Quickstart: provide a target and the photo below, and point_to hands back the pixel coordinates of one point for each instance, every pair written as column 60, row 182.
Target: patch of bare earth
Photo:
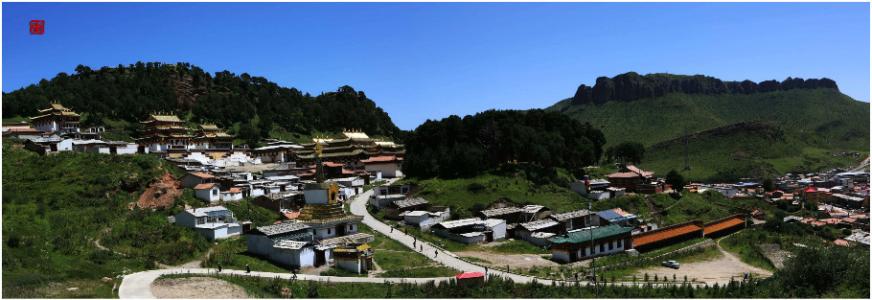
column 774, row 254
column 160, row 194
column 196, row 287
column 501, row 260
column 717, row 270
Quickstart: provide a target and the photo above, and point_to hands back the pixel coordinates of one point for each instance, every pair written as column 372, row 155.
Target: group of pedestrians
column 415, row 243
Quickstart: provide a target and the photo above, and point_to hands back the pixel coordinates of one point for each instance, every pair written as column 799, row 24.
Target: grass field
column 397, row 260
column 232, row 254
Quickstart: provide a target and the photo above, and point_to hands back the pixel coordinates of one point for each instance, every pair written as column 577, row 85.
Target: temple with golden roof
column 354, row 146
column 56, row 118
column 164, row 132
column 210, row 136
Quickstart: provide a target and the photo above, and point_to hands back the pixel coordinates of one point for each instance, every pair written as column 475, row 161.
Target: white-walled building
column 288, row 244
column 590, row 242
column 389, row 166
column 232, row 194
column 216, row 222
column 208, row 192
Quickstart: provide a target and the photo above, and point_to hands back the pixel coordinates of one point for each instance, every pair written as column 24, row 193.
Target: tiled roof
column 381, row 159
column 570, row 215
column 539, row 224
column 204, row 186
column 460, row 223
column 501, row 211
column 166, row 118
column 582, row 236
column 202, row 211
column 202, row 175
column 281, row 228
column 410, row 202
column 355, row 135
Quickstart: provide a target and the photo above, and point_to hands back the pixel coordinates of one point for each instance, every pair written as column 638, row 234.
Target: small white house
column 207, row 192
column 192, row 179
column 390, row 166
column 233, row 194
column 287, row 244
column 216, row 222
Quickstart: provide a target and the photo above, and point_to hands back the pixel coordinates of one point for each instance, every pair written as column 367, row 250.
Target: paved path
column 358, row 207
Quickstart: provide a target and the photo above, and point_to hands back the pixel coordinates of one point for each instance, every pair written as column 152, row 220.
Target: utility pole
column 686, row 163
column 592, row 248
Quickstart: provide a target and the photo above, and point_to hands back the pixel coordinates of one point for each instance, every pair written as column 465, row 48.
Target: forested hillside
column 130, row 93
column 815, row 120
column 462, row 147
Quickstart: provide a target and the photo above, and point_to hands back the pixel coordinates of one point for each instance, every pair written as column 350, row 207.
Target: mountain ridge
column 814, row 125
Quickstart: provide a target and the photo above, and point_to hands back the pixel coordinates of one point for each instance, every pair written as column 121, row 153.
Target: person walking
column 247, row 268
column 219, row 268
column 437, row 253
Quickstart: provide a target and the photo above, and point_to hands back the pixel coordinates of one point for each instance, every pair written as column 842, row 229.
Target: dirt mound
column 161, row 193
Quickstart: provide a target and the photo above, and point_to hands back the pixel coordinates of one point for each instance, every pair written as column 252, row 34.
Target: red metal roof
column 664, row 234
column 467, row 275
column 723, row 224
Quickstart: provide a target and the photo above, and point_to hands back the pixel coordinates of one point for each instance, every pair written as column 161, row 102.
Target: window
column 611, row 245
column 583, row 251
column 328, row 230
column 214, row 192
column 620, row 242
column 602, row 247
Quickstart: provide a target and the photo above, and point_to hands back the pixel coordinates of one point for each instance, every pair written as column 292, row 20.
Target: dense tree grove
column 632, row 86
column 627, row 152
column 675, row 179
column 131, row 92
column 460, row 147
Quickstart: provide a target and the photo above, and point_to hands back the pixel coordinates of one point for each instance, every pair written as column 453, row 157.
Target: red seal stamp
column 37, row 27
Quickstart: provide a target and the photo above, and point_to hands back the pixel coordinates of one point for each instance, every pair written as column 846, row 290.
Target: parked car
column 671, row 264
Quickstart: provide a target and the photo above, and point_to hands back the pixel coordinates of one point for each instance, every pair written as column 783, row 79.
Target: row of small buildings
column 571, row 236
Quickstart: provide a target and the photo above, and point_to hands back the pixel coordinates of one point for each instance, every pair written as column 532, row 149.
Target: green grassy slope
column 55, row 207
column 813, row 122
column 745, row 150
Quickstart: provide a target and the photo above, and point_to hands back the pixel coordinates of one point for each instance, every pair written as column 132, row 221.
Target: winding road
column 138, row 285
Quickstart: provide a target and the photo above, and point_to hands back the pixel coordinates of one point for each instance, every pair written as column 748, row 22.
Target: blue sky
column 429, row 60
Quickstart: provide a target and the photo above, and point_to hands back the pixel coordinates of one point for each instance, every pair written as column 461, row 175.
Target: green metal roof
column 583, row 236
